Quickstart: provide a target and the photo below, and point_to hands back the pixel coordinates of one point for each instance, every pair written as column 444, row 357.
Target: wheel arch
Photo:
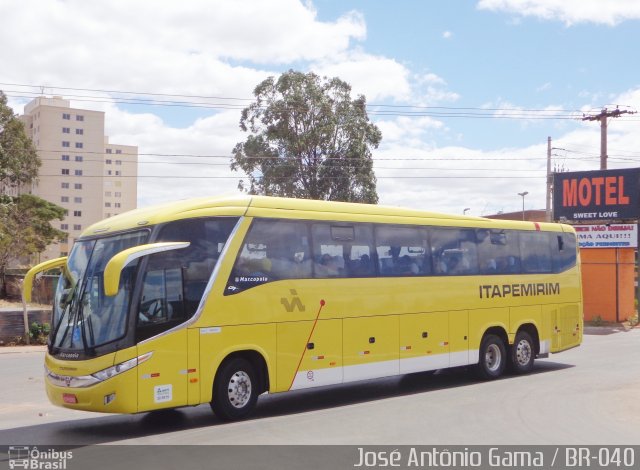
column 255, row 358
column 499, row 331
column 532, row 329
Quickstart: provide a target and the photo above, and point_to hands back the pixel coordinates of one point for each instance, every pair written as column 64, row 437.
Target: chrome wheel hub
column 239, row 389
column 523, row 353
column 493, row 357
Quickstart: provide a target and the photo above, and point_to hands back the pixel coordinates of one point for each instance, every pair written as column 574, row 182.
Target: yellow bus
column 219, row 300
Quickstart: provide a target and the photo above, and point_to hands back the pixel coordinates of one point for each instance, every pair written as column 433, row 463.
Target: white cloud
column 610, row 12
column 177, row 47
column 447, row 35
column 378, row 78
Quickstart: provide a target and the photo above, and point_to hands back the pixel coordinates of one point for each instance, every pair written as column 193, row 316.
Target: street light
column 523, row 195
column 464, row 212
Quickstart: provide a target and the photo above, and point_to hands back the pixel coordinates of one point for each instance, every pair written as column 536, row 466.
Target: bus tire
column 493, row 357
column 522, row 353
column 235, row 390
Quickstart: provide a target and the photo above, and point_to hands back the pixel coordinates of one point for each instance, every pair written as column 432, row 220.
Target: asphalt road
column 588, row 395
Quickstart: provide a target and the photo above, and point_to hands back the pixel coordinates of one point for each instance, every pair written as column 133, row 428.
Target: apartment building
column 81, row 170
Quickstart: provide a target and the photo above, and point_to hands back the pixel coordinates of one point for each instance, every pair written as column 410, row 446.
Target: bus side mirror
column 27, row 285
column 119, row 261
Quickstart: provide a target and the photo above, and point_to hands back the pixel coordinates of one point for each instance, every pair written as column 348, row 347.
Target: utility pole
column 602, row 117
column 549, row 180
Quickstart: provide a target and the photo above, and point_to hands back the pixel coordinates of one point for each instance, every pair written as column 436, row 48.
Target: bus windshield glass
column 84, row 317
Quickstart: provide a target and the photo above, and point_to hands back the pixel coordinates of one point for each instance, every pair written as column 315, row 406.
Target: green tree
column 19, row 162
column 308, row 139
column 25, row 228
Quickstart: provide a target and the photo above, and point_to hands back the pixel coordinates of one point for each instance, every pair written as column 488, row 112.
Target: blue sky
column 493, row 57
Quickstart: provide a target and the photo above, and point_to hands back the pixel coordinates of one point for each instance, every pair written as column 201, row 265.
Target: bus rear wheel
column 235, row 390
column 522, row 353
column 493, row 356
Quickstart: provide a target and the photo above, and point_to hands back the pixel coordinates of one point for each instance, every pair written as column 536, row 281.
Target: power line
column 375, row 109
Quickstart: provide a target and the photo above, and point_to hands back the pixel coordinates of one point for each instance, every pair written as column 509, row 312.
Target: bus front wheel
column 235, row 390
column 522, row 353
column 493, row 355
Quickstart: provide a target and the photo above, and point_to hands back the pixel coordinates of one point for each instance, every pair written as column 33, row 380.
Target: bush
column 38, row 332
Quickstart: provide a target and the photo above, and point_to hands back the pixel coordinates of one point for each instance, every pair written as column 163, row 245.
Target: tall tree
column 19, row 162
column 25, row 228
column 308, row 139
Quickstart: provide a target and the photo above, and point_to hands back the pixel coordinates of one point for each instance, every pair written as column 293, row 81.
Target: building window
column 66, row 144
column 64, row 199
column 79, row 145
column 78, row 172
column 77, row 200
column 65, row 171
column 117, row 205
column 118, row 184
column 118, row 162
column 118, row 194
column 108, row 162
column 79, row 158
column 65, row 158
column 64, row 226
column 118, row 151
column 77, row 186
column 66, row 130
column 79, row 117
column 107, row 204
column 77, row 213
column 118, row 173
column 79, row 131
column 107, row 193
column 109, row 151
column 77, row 227
column 109, row 172
column 64, row 185
column 66, row 116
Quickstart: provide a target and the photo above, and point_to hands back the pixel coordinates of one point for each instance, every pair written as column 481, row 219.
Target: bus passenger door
column 424, row 342
column 370, row 347
column 163, row 378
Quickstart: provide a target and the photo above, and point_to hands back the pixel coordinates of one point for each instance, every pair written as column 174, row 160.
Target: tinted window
column 272, row 250
column 341, row 250
column 454, row 251
column 174, row 281
column 563, row 246
column 402, row 251
column 535, row 251
column 498, row 251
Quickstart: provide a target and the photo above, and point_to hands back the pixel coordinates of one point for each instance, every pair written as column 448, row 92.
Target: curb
column 22, row 349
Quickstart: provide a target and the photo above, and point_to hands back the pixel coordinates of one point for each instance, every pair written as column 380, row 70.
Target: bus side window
column 563, row 248
column 454, row 251
column 402, row 251
column 535, row 251
column 272, row 250
column 498, row 251
column 342, row 250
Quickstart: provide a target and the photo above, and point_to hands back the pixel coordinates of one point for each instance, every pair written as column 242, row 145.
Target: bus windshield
column 83, row 316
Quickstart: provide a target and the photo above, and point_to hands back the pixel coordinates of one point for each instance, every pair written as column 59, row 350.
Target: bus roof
column 269, row 206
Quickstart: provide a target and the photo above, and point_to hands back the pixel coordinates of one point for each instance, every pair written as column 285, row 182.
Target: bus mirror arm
column 119, row 261
column 27, row 284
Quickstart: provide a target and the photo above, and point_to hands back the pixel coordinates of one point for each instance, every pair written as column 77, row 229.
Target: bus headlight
column 120, row 368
